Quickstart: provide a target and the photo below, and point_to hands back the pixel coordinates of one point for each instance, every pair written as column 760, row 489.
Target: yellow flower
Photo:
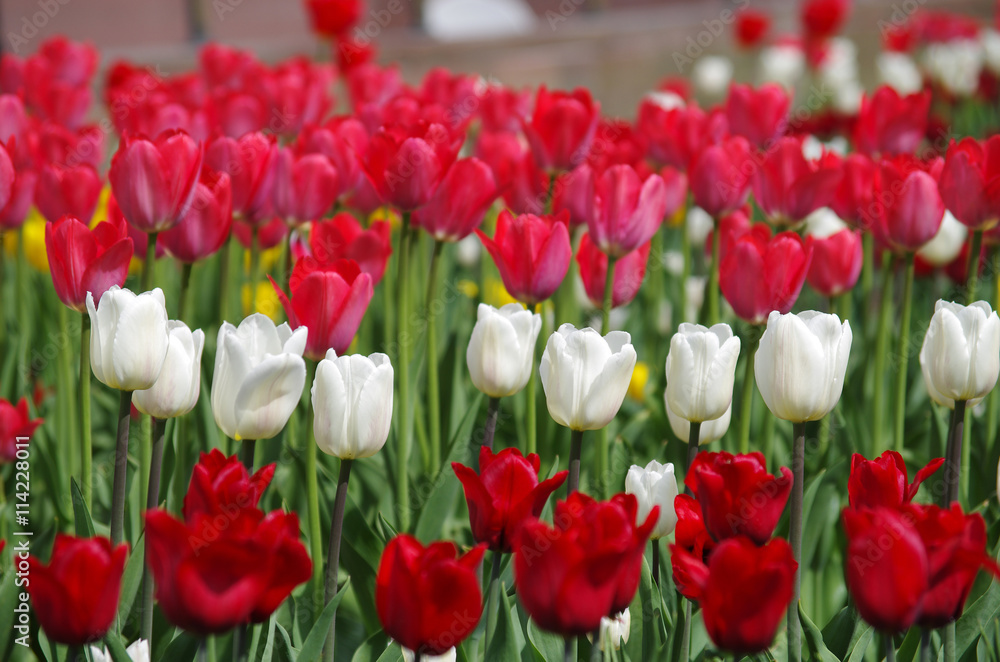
column 268, row 259
column 677, row 217
column 34, row 241
column 495, row 294
column 101, row 211
column 266, row 301
column 468, row 288
column 386, row 214
column 637, row 386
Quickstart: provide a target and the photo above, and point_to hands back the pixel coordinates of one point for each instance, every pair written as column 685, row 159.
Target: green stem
column 953, row 454
column 152, row 501
column 890, row 648
column 746, row 400
column 433, row 394
column 86, row 452
column 575, row 449
column 145, row 440
column 686, row 633
column 182, row 298
column 489, row 430
column 491, row 608
column 568, row 650
column 903, row 356
column 248, row 448
column 225, row 260
column 795, row 535
column 121, row 469
column 868, row 264
column 286, row 255
column 693, row 439
column 655, row 290
column 150, row 265
column 881, row 347
column 333, row 558
column 925, row 645
column 531, row 405
column 254, row 269
column 69, row 417
column 404, row 426
column 949, row 642
column 712, row 295
column 23, row 316
column 240, row 643
column 312, row 494
column 202, row 650
column 686, row 272
column 973, row 266
column 609, row 290
column 656, row 560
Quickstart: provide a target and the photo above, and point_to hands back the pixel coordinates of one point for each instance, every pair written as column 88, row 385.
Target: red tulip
column 154, row 181
column 788, row 187
column 249, row 162
column 853, row 198
column 6, row 176
column 205, row 228
column 305, row 187
column 531, row 252
column 693, row 544
column 269, row 234
column 822, row 19
column 22, row 194
column 760, row 274
column 52, row 99
column 628, row 211
column 562, row 127
column 719, row 176
column 617, row 142
column 353, row 50
column 68, row 62
column 75, row 595
column 751, row 28
column 883, row 481
column 428, row 598
column 629, row 272
column 677, row 135
column 759, row 115
column 733, row 226
column 329, row 299
column 332, row 18
column 503, row 152
column 55, row 143
column 576, row 192
column 503, row 109
column 221, row 485
column 970, row 181
column 907, row 203
column 504, row 494
column 407, row 165
column 342, row 238
column 83, row 260
column 15, row 422
column 298, row 94
column 341, row 140
column 529, row 191
column 63, row 191
column 836, row 262
column 889, row 123
column 460, row 202
column 737, row 494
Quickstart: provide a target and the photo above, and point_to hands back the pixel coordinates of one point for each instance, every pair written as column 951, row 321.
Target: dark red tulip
column 63, row 191
column 759, row 115
column 889, row 123
column 788, row 187
column 83, row 260
column 836, row 262
column 853, row 198
column 504, row 494
column 343, row 238
column 15, row 422
column 822, row 19
column 332, row 18
column 205, row 227
column 737, row 494
column 628, row 211
column 759, row 274
column 221, row 485
column 719, row 176
column 305, row 187
column 883, row 481
column 407, row 165
column 562, row 127
column 576, row 192
column 249, row 162
column 629, row 272
column 676, row 135
column 428, row 598
column 22, row 194
column 6, row 176
column 329, row 299
column 907, row 203
column 460, row 202
column 341, row 140
column 751, row 28
column 532, row 254
column 692, row 546
column 970, row 181
column 75, row 595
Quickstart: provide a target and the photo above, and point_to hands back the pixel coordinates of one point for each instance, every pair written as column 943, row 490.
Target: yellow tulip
column 640, row 376
column 265, row 302
column 34, row 241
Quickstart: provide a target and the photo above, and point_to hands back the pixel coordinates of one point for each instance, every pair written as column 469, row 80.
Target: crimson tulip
column 823, row 19
column 618, row 142
column 751, row 28
column 737, row 494
column 759, row 274
column 629, row 272
column 836, row 262
column 759, row 115
column 342, row 237
column 503, row 109
column 15, row 422
column 504, row 494
column 788, row 186
column 852, row 200
column 205, row 227
column 63, row 191
column 75, row 595
column 428, row 598
column 531, row 252
column 562, row 127
column 328, row 298
column 460, row 202
column 221, row 485
column 249, row 162
column 970, row 181
column 83, row 260
column 54, row 143
column 406, row 165
column 22, row 194
column 6, row 176
column 305, row 186
column 719, row 176
column 269, row 233
column 907, row 203
column 504, row 153
column 298, row 94
column 341, row 140
column 154, row 181
column 333, row 18
column 891, row 123
column 576, row 192
column 676, row 135
column 690, row 551
column 883, row 481
column 628, row 211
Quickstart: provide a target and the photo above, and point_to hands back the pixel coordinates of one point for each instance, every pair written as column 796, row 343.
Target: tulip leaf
column 392, row 654
column 372, row 649
column 641, row 644
column 131, row 580
column 842, row 632
column 907, row 650
column 312, row 647
column 116, row 649
column 183, row 647
column 981, row 612
column 267, row 653
column 504, row 644
column 860, row 648
column 8, row 599
column 549, row 647
column 813, row 640
column 81, row 514
column 283, row 651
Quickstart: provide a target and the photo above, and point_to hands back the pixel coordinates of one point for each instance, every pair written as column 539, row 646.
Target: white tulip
column 502, row 349
column 654, row 485
column 138, row 651
column 839, row 65
column 449, row 655
column 175, row 392
column 701, row 369
column 960, row 357
column 259, row 377
column 699, row 224
column 955, row 65
column 614, row 630
column 801, row 363
column 990, row 41
column 708, row 432
column 665, row 99
column 712, row 74
column 585, row 376
column 824, row 223
column 783, row 64
column 128, row 341
column 352, row 404
column 947, row 243
column 900, row 72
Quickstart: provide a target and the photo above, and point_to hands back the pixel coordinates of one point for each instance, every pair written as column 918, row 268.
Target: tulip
column 64, row 191
column 175, row 392
column 900, row 72
column 407, row 584
column 891, row 123
column 460, row 202
column 836, row 262
column 334, row 18
column 501, row 349
column 761, row 115
column 562, row 127
column 22, row 195
column 15, row 423
column 712, row 75
column 406, row 166
column 341, row 140
column 759, row 275
column 882, row 482
column 343, row 238
column 853, row 198
column 305, row 186
column 947, row 244
column 75, row 595
column 692, row 548
column 628, row 211
column 259, row 376
column 654, row 486
column 249, row 162
column 352, row 404
column 708, row 431
column 450, row 655
column 506, row 155
column 751, row 28
column 701, row 369
column 970, row 182
column 85, row 261
column 154, row 181
column 614, row 631
column 531, row 252
column 629, row 271
column 789, row 187
column 678, row 133
column 137, row 651
column 823, row 19
column 908, row 208
column 801, row 363
column 960, row 355
column 504, row 495
column 205, row 227
column 503, row 109
column 269, row 234
column 130, row 338
column 222, row 485
column 719, row 176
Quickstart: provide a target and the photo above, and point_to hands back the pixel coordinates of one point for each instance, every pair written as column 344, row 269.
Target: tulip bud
column 352, row 401
column 585, row 376
column 654, row 486
column 614, row 631
column 710, row 430
column 259, row 376
column 175, row 392
column 960, row 357
column 501, row 349
column 701, row 368
column 129, row 338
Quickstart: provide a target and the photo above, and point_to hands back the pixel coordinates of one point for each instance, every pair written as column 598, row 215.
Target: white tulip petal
column 268, row 396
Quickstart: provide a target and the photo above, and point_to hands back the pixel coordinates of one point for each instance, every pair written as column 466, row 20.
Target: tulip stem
column 492, row 409
column 23, row 316
column 336, row 534
column 596, row 654
column 868, row 264
column 75, row 654
column 575, row 448
column 312, row 495
column 694, row 437
column 686, row 633
column 881, row 342
column 712, row 296
column 404, row 426
column 686, row 272
column 609, row 290
column 254, row 269
column 86, row 452
column 121, row 469
column 202, row 650
column 225, row 257
column 159, row 427
column 247, row 452
column 746, row 401
column 949, row 642
column 925, row 645
column 795, row 535
column 953, row 454
column 240, row 643
column 433, row 394
column 531, row 400
column 185, row 285
column 656, row 561
column 973, row 266
column 150, row 265
column 890, row 648
column 491, row 615
column 903, row 355
column 568, row 650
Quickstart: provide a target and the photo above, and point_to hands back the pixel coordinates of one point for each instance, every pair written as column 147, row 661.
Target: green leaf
column 267, row 654
column 183, row 647
column 283, row 651
column 842, row 632
column 81, row 515
column 312, row 648
column 8, row 601
column 977, row 616
column 372, row 649
column 131, row 580
column 504, row 644
column 392, row 654
column 642, row 640
column 116, row 649
column 857, row 653
column 550, row 647
column 815, row 648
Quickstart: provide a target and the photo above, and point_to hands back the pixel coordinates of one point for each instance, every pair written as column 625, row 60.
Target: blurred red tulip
column 83, row 260
column 305, row 187
column 249, row 162
column 407, row 165
column 343, row 238
column 55, row 143
column 460, row 202
column 759, row 274
column 503, row 109
column 332, row 18
column 759, row 115
column 677, row 135
column 822, row 19
column 298, row 94
column 628, row 211
column 576, row 192
column 719, row 176
column 341, row 140
column 63, row 191
column 907, row 203
column 15, row 422
column 7, row 175
column 853, row 198
column 205, row 227
column 970, row 181
column 690, row 551
column 836, row 262
column 890, row 123
column 883, row 481
column 751, row 28
column 788, row 187
column 562, row 127
column 22, row 194
column 630, row 269
column 269, row 234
